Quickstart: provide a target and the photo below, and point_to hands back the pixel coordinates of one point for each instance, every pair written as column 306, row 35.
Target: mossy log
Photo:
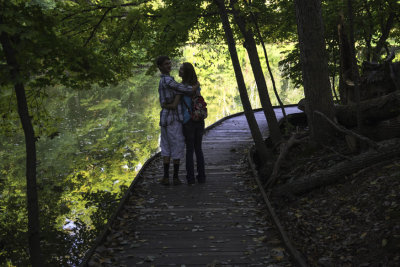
column 386, row 150
column 372, row 110
column 380, row 116
column 383, row 130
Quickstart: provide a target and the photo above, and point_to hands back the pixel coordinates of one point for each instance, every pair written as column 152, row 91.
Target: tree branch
column 346, row 131
column 97, row 26
column 385, row 34
column 76, row 28
column 104, row 7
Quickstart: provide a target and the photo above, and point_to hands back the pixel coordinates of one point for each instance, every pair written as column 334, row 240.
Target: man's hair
column 189, row 74
column 160, row 60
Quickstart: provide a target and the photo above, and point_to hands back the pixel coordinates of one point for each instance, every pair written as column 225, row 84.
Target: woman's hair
column 189, row 74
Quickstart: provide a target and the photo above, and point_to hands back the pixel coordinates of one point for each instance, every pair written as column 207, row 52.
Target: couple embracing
column 177, row 127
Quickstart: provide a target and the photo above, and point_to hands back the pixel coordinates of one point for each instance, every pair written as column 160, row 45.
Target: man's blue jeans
column 193, row 132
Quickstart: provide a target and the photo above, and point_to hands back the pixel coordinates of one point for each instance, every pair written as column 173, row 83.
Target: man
column 172, row 139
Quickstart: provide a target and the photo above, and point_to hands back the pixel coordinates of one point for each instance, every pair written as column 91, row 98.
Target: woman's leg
column 188, row 132
column 198, row 138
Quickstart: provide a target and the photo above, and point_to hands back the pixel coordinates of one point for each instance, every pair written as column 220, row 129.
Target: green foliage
column 370, row 18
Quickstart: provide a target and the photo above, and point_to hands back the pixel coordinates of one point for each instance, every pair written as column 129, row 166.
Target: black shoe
column 176, row 181
column 164, row 181
column 201, row 180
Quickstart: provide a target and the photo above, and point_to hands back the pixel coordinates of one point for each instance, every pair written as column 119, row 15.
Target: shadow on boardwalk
column 212, row 224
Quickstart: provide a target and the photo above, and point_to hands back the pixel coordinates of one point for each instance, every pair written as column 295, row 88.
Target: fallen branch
column 337, row 153
column 284, row 151
column 347, row 131
column 386, row 150
column 298, row 258
column 296, row 170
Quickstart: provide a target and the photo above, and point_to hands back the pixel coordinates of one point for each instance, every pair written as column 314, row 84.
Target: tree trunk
column 251, row 47
column 314, row 67
column 30, row 142
column 261, row 148
column 386, row 150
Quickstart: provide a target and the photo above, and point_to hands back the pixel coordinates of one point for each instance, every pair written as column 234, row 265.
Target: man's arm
column 181, row 88
column 174, row 104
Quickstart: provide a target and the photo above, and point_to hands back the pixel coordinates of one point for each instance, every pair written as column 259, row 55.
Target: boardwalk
column 212, row 224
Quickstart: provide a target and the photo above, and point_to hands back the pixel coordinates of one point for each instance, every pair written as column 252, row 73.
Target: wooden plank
column 197, row 259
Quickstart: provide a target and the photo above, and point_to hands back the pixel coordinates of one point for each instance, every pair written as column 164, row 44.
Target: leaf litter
column 352, row 223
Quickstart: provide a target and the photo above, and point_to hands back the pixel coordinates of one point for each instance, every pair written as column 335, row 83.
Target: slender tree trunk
column 345, row 73
column 271, row 75
column 334, row 75
column 368, row 32
column 267, row 61
column 261, row 148
column 30, row 142
column 251, row 47
column 314, row 67
column 354, row 66
column 385, row 35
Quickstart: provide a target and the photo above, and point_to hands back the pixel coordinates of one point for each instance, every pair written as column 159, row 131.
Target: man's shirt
column 167, row 89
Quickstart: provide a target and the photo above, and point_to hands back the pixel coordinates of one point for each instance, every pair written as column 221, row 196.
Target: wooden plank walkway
column 212, row 224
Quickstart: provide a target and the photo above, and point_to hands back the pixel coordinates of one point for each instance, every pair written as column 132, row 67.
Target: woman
column 192, row 130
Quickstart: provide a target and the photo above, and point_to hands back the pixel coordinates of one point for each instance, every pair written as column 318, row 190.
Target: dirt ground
column 355, row 222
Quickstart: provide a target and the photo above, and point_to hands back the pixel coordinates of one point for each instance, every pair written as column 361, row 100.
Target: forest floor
column 355, row 222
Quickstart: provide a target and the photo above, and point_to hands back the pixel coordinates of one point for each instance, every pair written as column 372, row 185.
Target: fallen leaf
column 363, row 235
